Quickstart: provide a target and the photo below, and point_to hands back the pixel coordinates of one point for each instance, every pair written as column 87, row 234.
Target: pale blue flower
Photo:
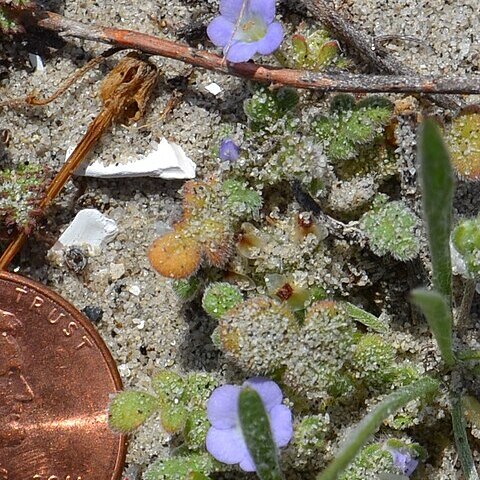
column 225, row 439
column 257, row 31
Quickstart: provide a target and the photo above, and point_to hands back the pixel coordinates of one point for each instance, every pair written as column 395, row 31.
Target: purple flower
column 404, row 461
column 256, row 30
column 229, row 150
column 225, row 439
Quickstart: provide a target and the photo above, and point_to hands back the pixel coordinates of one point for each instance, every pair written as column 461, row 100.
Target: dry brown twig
column 33, row 100
column 341, row 82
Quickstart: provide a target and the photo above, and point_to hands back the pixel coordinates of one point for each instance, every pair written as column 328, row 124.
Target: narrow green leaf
column 461, row 441
column 366, row 318
column 372, row 422
column 439, row 318
column 258, row 435
column 437, row 188
column 466, row 355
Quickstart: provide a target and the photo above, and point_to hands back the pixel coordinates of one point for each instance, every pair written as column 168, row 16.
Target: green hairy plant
column 351, row 126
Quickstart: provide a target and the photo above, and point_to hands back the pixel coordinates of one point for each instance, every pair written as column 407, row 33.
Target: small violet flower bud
column 244, row 28
column 229, row 150
column 225, row 439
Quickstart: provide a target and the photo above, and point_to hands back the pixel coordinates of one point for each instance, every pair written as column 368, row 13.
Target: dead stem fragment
column 40, row 102
column 396, row 82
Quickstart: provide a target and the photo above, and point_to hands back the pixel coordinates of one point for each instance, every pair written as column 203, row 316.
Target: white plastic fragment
column 166, row 160
column 89, row 229
column 213, row 88
column 36, row 62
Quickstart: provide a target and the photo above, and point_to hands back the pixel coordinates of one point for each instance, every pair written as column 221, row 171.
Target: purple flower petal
column 230, row 9
column 404, row 461
column 247, row 464
column 226, row 446
column 272, row 40
column 281, row 423
column 411, row 466
column 220, row 31
column 241, row 51
column 222, row 407
column 229, row 150
column 264, row 9
column 268, row 390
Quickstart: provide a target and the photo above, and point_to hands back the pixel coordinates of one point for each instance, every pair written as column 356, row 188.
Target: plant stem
column 341, row 82
column 461, row 440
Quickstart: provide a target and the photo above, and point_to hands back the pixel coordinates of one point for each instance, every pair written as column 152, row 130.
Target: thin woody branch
column 340, row 82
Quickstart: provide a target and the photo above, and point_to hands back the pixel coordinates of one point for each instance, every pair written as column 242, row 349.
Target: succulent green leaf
column 241, row 198
column 342, row 102
column 461, row 440
column 463, row 141
column 258, row 435
column 300, row 46
column 130, row 409
column 391, row 227
column 437, row 189
column 366, row 318
column 220, row 297
column 372, row 422
column 439, row 318
column 466, row 240
column 174, row 417
column 182, row 468
column 169, row 386
column 186, row 288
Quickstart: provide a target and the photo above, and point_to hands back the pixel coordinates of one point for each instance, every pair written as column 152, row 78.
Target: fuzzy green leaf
column 258, row 435
column 461, row 441
column 439, row 318
column 366, row 318
column 437, row 187
column 182, row 467
column 372, row 422
column 130, row 409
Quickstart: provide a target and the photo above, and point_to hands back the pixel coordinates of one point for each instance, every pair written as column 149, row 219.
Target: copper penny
column 56, row 377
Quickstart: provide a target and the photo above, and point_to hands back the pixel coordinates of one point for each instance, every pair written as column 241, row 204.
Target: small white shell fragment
column 213, row 88
column 90, row 229
column 36, row 62
column 166, row 160
column 134, row 290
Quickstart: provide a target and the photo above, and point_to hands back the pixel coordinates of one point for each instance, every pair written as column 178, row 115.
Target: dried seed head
column 127, row 88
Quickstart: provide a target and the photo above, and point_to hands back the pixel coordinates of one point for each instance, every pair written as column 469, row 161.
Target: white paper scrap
column 90, row 229
column 167, row 160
